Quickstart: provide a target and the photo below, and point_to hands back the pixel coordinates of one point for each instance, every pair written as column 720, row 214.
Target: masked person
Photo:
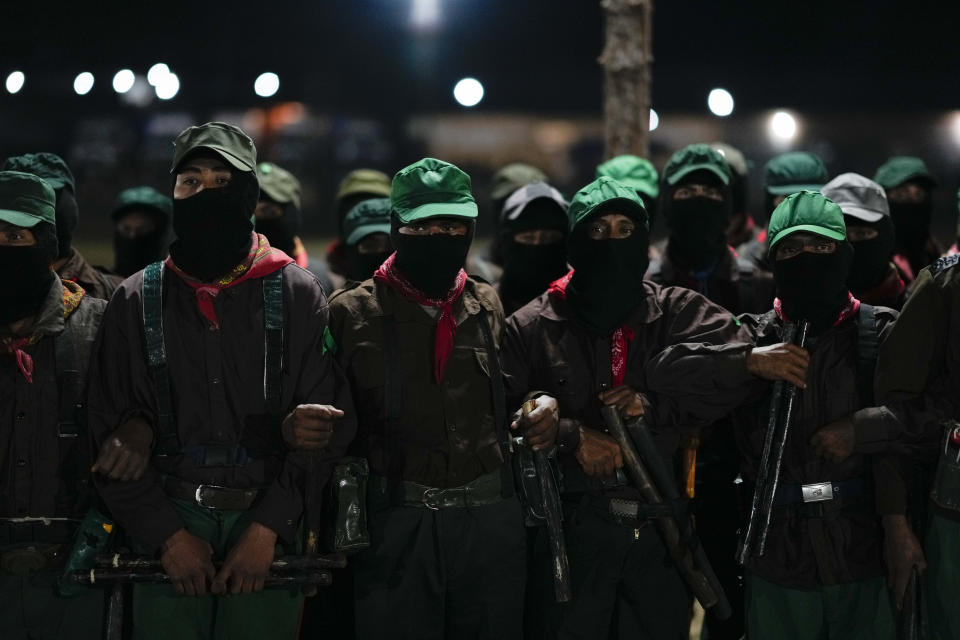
column 141, row 229
column 784, row 174
column 640, row 175
column 419, row 344
column 47, row 326
column 504, row 182
column 278, row 218
column 219, row 350
column 366, row 232
column 533, row 240
column 70, row 264
column 822, row 572
column 742, row 227
column 356, row 186
column 696, row 201
column 873, row 279
column 910, row 188
column 585, row 343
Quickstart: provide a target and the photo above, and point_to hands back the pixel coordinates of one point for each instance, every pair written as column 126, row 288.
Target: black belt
column 792, row 494
column 485, row 490
column 629, row 512
column 211, row 496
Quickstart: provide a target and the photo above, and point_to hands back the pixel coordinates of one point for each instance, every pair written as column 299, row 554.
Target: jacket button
column 453, row 427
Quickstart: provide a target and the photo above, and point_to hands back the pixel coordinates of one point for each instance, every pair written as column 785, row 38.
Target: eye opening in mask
column 611, row 225
column 804, row 242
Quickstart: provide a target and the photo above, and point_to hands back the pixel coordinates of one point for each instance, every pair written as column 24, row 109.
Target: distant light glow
column 783, row 126
column 654, row 120
column 15, row 81
column 425, row 14
column 167, row 87
column 468, row 92
column 123, row 81
column 157, row 73
column 720, row 102
column 266, row 84
column 83, row 83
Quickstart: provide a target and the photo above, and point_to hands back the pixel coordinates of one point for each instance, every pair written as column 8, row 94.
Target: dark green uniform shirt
column 444, row 435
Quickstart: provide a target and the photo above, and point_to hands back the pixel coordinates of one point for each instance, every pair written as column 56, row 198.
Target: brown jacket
column 217, row 389
column 843, row 545
column 545, row 349
column 95, row 282
column 444, row 436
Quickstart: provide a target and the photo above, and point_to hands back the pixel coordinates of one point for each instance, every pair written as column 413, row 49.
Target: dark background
column 869, row 79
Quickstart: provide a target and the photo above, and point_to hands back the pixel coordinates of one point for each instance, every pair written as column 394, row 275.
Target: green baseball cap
column 142, row 197
column 606, row 192
column 696, row 157
column 371, row 181
column 278, row 184
column 48, row 166
column 794, row 171
column 511, row 177
column 633, row 171
column 899, row 169
column 369, row 216
column 738, row 163
column 806, row 211
column 226, row 140
column 26, row 199
column 431, row 188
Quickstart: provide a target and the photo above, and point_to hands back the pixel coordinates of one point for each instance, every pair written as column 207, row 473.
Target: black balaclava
column 213, row 227
column 698, row 226
column 911, row 222
column 68, row 216
column 607, row 283
column 26, row 276
column 431, row 263
column 814, row 286
column 529, row 269
column 133, row 254
column 871, row 258
column 281, row 231
column 361, row 266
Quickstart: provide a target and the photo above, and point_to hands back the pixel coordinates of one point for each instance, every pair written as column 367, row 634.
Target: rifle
column 553, row 517
column 909, row 624
column 650, row 475
column 754, row 541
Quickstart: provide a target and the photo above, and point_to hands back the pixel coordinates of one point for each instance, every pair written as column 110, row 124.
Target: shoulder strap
column 273, row 341
column 868, row 345
column 168, row 441
column 70, row 381
column 499, row 405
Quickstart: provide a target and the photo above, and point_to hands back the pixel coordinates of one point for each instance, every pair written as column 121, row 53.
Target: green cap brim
column 365, row 230
column 789, row 189
column 438, row 210
column 648, row 189
column 230, row 159
column 704, row 166
column 19, row 218
column 812, row 228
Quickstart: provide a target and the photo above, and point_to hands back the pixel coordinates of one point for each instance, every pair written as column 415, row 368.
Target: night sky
column 362, row 56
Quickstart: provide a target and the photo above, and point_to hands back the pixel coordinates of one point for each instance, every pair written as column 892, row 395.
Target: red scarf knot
column 260, row 262
column 389, row 275
column 558, row 288
column 619, row 348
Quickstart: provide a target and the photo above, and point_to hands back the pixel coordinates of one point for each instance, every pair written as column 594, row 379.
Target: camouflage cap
column 633, row 171
column 48, row 166
column 226, row 140
column 371, row 181
column 278, row 184
column 511, row 177
column 142, row 198
column 26, row 199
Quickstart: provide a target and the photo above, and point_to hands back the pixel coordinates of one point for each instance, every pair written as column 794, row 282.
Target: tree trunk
column 627, row 60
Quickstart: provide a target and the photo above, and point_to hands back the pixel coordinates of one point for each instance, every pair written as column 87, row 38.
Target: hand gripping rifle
column 650, row 475
column 754, row 541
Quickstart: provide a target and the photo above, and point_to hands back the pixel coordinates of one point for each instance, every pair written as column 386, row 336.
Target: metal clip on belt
column 211, row 496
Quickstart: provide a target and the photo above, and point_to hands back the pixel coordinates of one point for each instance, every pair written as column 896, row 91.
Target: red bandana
column 389, row 275
column 620, row 339
column 72, row 295
column 260, row 262
column 850, row 310
column 300, row 253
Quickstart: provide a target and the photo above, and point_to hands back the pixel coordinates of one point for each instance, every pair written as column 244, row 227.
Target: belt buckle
column 431, row 498
column 817, row 492
column 198, row 494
